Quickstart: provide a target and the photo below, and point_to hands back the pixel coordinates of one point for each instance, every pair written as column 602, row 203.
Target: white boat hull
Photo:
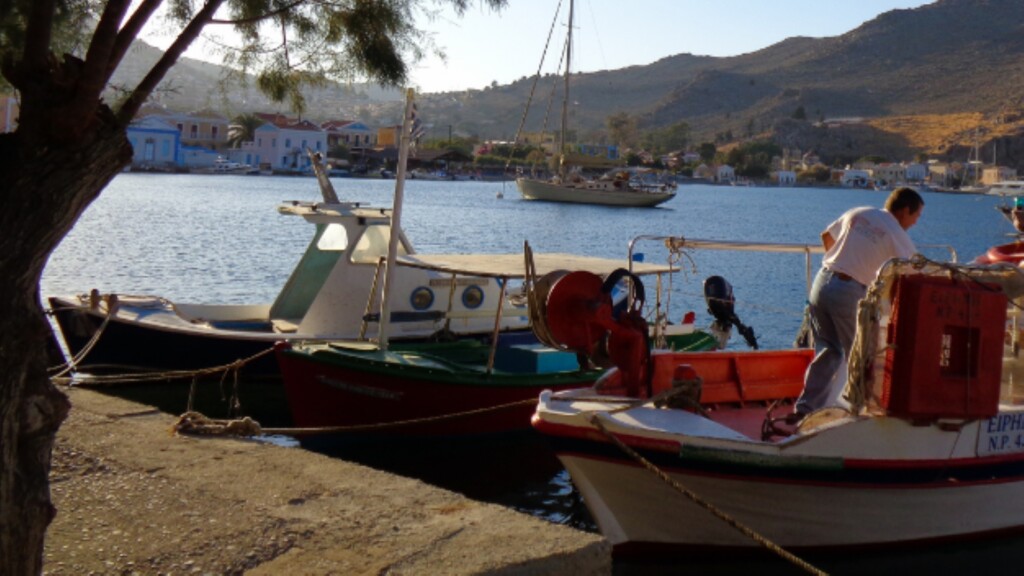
column 593, row 192
column 847, row 483
column 632, row 506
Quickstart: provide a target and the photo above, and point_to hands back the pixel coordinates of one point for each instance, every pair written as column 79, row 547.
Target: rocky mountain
column 900, row 74
column 946, row 58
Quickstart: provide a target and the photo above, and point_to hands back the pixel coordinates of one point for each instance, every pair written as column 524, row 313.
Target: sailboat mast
column 565, row 96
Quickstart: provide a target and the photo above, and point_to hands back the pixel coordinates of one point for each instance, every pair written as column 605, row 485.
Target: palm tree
column 243, row 129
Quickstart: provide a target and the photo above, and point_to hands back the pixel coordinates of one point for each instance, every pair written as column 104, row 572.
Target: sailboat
column 616, row 188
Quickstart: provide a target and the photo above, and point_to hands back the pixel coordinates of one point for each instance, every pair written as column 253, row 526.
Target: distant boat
column 224, row 166
column 1007, row 188
column 613, row 189
column 616, row 188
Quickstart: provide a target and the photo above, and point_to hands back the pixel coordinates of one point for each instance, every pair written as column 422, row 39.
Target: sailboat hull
column 593, row 192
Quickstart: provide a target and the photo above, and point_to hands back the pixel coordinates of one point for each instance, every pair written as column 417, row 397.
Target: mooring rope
column 205, row 425
column 117, row 379
column 695, row 498
column 72, row 363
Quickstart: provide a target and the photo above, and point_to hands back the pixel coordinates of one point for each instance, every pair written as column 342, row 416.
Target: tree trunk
column 46, row 187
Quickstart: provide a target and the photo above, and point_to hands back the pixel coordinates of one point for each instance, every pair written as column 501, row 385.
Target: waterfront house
column 387, row 136
column 994, row 174
column 352, row 134
column 283, row 145
column 704, row 172
column 204, row 128
column 941, row 173
column 785, row 177
column 888, row 174
column 915, row 172
column 854, row 178
column 156, row 144
column 725, row 173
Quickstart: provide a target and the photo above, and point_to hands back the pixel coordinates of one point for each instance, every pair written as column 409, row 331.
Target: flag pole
column 396, row 220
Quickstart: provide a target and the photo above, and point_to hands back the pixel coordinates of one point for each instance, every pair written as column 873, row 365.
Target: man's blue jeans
column 833, row 308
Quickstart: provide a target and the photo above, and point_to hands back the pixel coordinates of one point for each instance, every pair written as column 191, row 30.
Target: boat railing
column 680, row 243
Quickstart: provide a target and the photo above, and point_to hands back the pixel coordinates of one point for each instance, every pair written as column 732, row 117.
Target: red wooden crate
column 944, row 358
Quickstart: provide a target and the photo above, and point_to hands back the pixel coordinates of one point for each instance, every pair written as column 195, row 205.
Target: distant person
column 856, row 246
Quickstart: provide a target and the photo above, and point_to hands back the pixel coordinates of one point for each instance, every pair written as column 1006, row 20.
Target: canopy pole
column 396, row 219
column 497, row 325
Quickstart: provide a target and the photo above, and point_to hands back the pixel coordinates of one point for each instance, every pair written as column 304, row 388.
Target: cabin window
column 334, row 238
column 373, row 244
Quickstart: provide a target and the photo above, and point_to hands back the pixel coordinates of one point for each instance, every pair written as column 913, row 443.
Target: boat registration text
column 1001, row 434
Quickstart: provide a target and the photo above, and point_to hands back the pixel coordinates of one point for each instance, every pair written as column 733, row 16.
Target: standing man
column 856, row 246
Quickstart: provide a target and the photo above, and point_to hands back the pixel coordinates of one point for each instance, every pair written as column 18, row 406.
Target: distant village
column 201, row 142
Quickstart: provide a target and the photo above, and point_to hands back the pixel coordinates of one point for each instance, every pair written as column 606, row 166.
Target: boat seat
column 282, row 326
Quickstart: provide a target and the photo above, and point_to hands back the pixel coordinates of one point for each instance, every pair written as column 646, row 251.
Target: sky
column 484, row 46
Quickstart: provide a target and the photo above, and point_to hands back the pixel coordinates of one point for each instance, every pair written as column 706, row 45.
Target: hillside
column 956, row 64
column 938, row 80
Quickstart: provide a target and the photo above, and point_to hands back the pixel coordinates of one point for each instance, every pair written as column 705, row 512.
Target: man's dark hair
column 904, row 197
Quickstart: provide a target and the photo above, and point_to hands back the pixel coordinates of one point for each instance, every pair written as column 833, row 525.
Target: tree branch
column 97, row 58
column 261, row 17
column 38, row 32
column 156, row 74
column 129, row 33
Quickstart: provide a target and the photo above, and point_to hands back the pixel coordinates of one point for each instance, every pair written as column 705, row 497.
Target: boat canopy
column 514, row 266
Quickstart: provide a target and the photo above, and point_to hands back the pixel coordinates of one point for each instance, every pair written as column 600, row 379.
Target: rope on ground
column 190, row 423
column 750, row 533
column 200, row 425
column 116, row 379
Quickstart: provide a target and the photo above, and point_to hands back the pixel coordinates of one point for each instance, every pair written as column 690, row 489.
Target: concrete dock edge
column 132, row 497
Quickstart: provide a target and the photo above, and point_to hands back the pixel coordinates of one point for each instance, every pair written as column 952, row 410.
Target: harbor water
column 220, row 239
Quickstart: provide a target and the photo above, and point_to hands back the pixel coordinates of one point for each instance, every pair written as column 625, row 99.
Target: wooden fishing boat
column 326, row 297
column 928, row 445
column 460, row 388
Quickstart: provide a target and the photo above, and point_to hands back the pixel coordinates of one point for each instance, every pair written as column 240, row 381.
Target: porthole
column 421, row 298
column 472, row 297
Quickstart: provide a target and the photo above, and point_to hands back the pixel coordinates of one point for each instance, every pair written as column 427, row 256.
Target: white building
column 785, row 177
column 855, row 178
column 283, row 147
column 725, row 173
column 916, row 172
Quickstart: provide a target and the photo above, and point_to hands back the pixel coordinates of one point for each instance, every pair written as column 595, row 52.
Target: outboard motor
column 718, row 295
